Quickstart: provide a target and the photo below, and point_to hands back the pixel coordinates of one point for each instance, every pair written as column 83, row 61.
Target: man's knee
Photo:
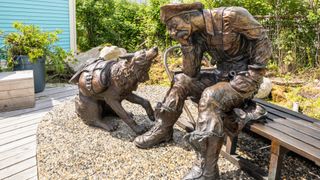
column 181, row 78
column 212, row 95
column 223, row 96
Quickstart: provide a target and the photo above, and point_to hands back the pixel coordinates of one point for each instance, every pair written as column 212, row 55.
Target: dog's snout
column 152, row 53
column 155, row 49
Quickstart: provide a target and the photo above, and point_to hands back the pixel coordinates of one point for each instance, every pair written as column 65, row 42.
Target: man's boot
column 206, row 166
column 162, row 131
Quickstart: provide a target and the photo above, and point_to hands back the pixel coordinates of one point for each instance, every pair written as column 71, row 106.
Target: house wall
column 48, row 14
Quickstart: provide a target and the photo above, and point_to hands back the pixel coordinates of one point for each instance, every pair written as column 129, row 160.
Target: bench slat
column 286, row 111
column 301, row 122
column 303, row 129
column 288, row 142
column 294, row 134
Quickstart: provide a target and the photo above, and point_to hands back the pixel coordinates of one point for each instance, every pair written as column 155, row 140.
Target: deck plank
column 18, row 168
column 20, row 125
column 12, row 136
column 54, row 90
column 18, row 133
column 30, row 173
column 17, row 144
column 13, row 121
column 17, row 150
column 20, row 157
column 51, row 101
column 40, row 106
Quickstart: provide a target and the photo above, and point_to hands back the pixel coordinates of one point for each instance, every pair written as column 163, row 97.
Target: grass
column 308, row 98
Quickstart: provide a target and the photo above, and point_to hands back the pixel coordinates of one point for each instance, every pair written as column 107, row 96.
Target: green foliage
column 93, row 22
column 264, row 6
column 307, row 97
column 154, row 31
column 3, row 57
column 127, row 23
column 31, row 41
column 108, row 21
column 293, row 26
column 122, row 23
column 58, row 58
column 299, row 34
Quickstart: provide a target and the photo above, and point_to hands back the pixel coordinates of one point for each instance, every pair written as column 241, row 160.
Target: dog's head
column 140, row 62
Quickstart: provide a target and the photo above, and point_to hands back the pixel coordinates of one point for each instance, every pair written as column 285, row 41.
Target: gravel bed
column 69, row 149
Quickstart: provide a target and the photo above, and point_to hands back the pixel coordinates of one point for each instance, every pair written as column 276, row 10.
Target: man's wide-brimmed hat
column 170, row 10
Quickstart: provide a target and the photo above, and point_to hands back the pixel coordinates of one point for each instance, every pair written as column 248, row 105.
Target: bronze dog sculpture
column 104, row 84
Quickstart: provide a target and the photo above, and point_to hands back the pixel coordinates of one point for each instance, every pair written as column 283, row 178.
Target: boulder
column 265, row 89
column 83, row 57
column 112, row 52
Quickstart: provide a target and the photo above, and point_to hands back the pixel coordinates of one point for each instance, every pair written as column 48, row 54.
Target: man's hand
column 256, row 74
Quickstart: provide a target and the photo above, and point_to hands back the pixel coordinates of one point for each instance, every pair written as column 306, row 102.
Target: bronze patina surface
column 240, row 49
column 104, row 84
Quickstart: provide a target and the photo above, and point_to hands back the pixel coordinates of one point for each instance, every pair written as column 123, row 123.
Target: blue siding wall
column 48, row 14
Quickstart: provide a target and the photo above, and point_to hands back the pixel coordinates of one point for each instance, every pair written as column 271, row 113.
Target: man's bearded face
column 179, row 29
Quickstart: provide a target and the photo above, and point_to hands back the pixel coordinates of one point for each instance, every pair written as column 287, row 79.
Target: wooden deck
column 18, row 134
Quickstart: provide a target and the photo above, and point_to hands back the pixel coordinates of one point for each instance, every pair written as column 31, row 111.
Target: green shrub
column 122, row 23
column 293, row 26
column 30, row 40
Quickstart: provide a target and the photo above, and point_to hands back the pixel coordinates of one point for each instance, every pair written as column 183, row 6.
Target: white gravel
column 69, row 149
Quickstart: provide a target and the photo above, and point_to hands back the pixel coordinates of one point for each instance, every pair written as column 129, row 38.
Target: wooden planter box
column 16, row 90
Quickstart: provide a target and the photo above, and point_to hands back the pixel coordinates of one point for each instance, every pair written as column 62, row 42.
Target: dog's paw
column 108, row 125
column 140, row 130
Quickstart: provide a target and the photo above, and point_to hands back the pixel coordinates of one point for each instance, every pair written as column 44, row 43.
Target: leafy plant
column 154, row 31
column 122, row 23
column 30, row 40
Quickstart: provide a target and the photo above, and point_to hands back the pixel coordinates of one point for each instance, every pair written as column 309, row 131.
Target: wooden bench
column 16, row 90
column 288, row 131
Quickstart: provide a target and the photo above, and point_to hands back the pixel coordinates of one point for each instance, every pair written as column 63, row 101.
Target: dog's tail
column 75, row 78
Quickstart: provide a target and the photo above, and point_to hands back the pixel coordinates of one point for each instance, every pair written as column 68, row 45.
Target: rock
column 107, row 53
column 112, row 52
column 83, row 57
column 265, row 89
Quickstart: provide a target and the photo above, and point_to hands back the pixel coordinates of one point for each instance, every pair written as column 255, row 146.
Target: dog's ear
column 127, row 56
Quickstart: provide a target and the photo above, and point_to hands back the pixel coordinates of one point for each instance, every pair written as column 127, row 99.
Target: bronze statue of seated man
column 104, row 84
column 239, row 48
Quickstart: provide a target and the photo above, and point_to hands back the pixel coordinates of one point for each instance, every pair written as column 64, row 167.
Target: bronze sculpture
column 104, row 84
column 240, row 49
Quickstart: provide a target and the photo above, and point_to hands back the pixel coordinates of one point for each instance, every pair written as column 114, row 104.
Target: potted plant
column 29, row 48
